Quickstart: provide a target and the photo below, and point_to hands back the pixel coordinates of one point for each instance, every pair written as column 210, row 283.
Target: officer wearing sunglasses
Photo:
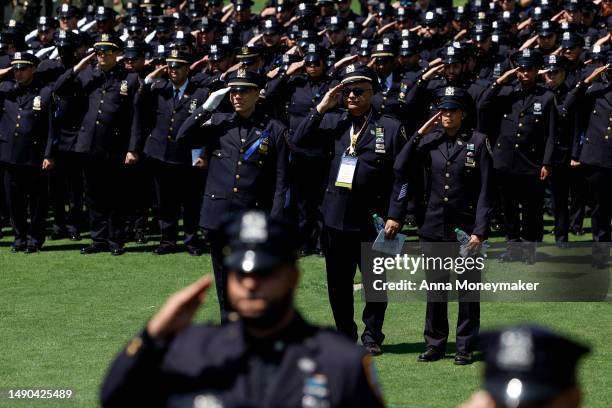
column 358, row 136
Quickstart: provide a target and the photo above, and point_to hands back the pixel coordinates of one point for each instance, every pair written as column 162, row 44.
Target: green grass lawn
column 63, row 316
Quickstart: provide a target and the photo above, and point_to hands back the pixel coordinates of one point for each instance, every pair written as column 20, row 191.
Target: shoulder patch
column 372, row 377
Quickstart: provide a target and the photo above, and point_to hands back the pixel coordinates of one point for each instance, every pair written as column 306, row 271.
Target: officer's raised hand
column 430, row 124
column 83, row 63
column 330, row 99
column 596, row 73
column 432, row 72
column 5, row 71
column 506, row 76
column 179, row 309
column 157, row 73
column 214, row 99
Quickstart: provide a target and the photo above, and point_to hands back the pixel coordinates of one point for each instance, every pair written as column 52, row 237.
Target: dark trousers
column 216, row 255
column 66, row 187
column 522, row 198
column 177, row 187
column 436, row 314
column 4, row 215
column 307, row 188
column 140, row 197
column 105, row 195
column 26, row 192
column 567, row 187
column 342, row 257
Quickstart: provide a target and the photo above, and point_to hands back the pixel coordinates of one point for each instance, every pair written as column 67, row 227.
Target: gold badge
column 263, row 147
column 245, row 50
column 241, row 73
column 36, row 105
column 124, row 88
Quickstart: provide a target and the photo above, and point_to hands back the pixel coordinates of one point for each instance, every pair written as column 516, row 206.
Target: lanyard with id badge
column 348, row 163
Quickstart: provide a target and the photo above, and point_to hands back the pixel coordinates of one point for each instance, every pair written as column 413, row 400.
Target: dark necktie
column 176, row 95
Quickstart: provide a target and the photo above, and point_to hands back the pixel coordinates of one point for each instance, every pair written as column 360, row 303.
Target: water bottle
column 462, row 236
column 379, row 223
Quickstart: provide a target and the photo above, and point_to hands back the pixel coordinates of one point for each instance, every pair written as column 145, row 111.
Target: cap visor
column 262, row 261
column 450, row 106
column 532, row 393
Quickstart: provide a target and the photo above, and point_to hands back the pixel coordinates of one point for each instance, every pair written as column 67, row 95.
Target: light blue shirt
column 181, row 89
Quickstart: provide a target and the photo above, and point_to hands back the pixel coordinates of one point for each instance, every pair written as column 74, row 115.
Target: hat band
column 15, row 62
column 246, row 56
column 251, row 84
column 177, row 60
column 105, row 43
column 358, row 77
column 383, row 54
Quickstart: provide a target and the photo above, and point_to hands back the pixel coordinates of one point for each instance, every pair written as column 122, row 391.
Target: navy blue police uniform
column 300, row 365
column 26, row 139
column 247, row 166
column 347, row 212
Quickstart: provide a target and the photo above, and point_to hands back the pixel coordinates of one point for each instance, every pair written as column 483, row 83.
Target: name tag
column 470, row 162
column 346, row 172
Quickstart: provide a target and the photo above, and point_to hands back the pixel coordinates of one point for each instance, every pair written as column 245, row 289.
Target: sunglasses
column 346, row 92
column 101, row 53
column 381, row 61
column 134, row 32
column 312, row 64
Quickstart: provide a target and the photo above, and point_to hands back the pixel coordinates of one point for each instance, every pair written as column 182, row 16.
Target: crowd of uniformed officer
column 312, row 111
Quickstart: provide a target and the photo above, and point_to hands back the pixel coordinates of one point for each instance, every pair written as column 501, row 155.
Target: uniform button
column 595, row 112
column 606, row 137
column 212, row 196
column 446, row 199
column 169, row 137
column 522, row 114
column 237, row 176
column 241, row 150
column 446, row 187
column 505, row 115
column 382, row 107
column 240, row 163
column 384, row 98
column 19, row 117
column 101, row 102
column 516, row 145
column 499, row 145
column 171, row 119
column 447, row 174
column 171, row 129
column 17, row 125
column 448, row 163
column 520, row 125
column 16, row 134
column 609, row 128
column 218, row 154
column 99, row 111
column 235, row 189
column 20, row 109
column 97, row 122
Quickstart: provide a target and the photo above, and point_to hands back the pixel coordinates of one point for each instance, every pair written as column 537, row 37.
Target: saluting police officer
column 108, row 139
column 522, row 150
column 529, row 366
column 299, row 93
column 268, row 356
column 26, row 149
column 595, row 152
column 247, row 155
column 178, row 175
column 364, row 145
column 448, row 171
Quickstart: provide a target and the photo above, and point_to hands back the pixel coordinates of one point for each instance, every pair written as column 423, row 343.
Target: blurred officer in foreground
column 449, row 171
column 364, row 145
column 26, row 145
column 178, row 176
column 248, row 156
column 108, row 139
column 268, row 356
column 528, row 366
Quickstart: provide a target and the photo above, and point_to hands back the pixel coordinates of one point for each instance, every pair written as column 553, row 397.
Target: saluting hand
column 157, row 73
column 330, row 99
column 596, row 72
column 5, row 71
column 432, row 72
column 83, row 63
column 179, row 309
column 430, row 124
column 506, row 76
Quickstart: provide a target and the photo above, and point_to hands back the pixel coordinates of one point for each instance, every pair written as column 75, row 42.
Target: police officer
column 177, row 174
column 522, row 151
column 109, row 138
column 268, row 356
column 385, row 64
column 247, row 155
column 595, row 153
column 528, row 366
column 564, row 179
column 448, row 169
column 360, row 135
column 299, row 94
column 26, row 145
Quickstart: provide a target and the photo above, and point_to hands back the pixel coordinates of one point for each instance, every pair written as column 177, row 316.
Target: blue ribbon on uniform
column 255, row 145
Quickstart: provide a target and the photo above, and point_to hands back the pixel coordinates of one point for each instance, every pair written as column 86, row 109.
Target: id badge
column 346, row 173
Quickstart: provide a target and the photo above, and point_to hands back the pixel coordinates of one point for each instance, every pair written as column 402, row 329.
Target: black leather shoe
column 194, row 251
column 164, row 250
column 31, row 250
column 463, row 358
column 140, row 237
column 431, row 354
column 117, row 251
column 373, row 348
column 93, row 249
column 18, row 248
column 75, row 236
